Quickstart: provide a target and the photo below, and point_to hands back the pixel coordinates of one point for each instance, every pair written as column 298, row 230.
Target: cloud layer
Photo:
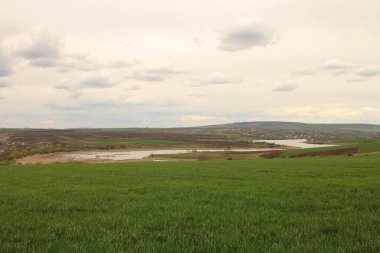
column 246, row 34
column 97, row 81
column 5, row 63
column 155, row 74
column 369, row 71
column 335, row 64
column 42, row 46
column 4, row 83
column 215, row 78
column 126, row 65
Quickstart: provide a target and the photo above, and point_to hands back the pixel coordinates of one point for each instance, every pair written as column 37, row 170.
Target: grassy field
column 278, row 205
column 363, row 146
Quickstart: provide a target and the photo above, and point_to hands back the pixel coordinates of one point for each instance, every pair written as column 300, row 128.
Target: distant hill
column 300, row 126
column 279, row 125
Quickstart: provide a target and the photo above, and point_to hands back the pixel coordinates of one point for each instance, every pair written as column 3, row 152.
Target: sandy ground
column 61, row 158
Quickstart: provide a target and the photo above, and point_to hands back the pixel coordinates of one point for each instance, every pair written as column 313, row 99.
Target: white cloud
column 198, row 42
column 155, row 74
column 246, row 34
column 203, row 119
column 47, row 50
column 5, row 63
column 146, row 76
column 97, row 81
column 49, row 122
column 89, row 53
column 133, row 87
column 215, row 78
column 327, row 113
column 42, row 46
column 304, row 72
column 71, row 88
column 197, row 118
column 356, row 80
column 116, row 64
column 335, row 64
column 369, row 71
column 4, row 83
column 196, row 94
column 286, row 86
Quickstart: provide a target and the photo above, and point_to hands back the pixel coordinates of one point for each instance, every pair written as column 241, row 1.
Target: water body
column 297, row 143
column 132, row 155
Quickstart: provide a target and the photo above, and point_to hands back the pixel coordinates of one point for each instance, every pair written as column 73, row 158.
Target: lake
column 132, row 155
column 141, row 154
column 297, row 143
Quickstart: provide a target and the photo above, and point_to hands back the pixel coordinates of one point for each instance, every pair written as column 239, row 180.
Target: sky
column 174, row 63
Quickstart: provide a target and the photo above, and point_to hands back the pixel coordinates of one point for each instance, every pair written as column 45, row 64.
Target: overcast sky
column 129, row 63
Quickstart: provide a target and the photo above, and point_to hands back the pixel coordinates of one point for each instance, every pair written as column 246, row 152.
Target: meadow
column 276, row 205
column 351, row 146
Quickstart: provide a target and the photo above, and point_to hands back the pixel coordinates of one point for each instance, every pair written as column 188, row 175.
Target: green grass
column 295, row 152
column 278, row 205
column 365, row 146
column 369, row 146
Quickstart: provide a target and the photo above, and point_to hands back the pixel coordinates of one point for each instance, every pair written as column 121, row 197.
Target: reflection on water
column 298, row 143
column 135, row 155
column 129, row 155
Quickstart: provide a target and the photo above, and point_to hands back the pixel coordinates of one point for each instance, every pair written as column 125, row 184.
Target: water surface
column 297, row 143
column 131, row 155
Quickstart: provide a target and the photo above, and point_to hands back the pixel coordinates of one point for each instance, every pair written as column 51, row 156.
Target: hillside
column 301, row 126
